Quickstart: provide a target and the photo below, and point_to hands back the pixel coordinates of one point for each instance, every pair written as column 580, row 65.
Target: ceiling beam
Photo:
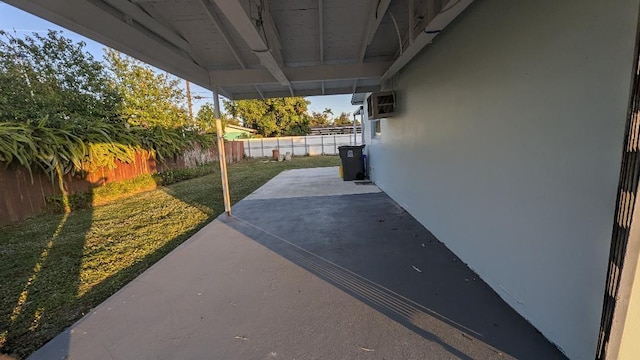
column 375, row 17
column 450, row 11
column 321, row 30
column 307, row 92
column 271, row 33
column 337, row 72
column 302, row 74
column 212, row 13
column 412, row 21
column 243, row 77
column 150, row 23
column 161, row 30
column 260, row 92
column 236, row 15
column 220, row 90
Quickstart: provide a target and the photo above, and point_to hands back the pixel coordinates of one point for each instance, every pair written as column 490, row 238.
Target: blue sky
column 13, row 19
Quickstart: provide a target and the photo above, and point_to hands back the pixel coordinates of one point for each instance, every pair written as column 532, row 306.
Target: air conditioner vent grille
column 381, row 105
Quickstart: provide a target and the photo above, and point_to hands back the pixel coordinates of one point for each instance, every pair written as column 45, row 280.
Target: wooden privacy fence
column 20, row 197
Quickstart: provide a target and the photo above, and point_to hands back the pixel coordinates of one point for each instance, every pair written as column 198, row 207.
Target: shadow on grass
column 110, row 285
column 43, row 281
column 43, row 297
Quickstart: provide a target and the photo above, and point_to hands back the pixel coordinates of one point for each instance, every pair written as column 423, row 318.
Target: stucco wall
column 508, row 149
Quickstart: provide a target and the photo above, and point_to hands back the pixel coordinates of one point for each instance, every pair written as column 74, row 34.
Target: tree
column 50, row 77
column 272, row 117
column 60, row 109
column 50, row 91
column 321, row 119
column 206, row 119
column 149, row 99
column 343, row 120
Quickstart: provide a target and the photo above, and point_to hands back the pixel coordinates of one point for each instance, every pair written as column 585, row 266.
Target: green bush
column 56, row 204
column 173, row 176
column 64, row 112
column 111, row 191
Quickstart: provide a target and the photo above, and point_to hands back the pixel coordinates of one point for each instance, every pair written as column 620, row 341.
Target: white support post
column 362, row 123
column 221, row 152
column 355, row 131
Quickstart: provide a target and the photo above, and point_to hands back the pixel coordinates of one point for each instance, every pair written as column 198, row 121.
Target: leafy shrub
column 173, row 176
column 56, row 204
column 64, row 112
column 115, row 190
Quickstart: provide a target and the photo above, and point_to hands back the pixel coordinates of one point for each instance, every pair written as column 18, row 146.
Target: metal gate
column 627, row 192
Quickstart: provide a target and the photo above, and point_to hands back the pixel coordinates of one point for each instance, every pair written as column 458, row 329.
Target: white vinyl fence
column 299, row 145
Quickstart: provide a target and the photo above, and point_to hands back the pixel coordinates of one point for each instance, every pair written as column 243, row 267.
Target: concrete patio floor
column 307, row 267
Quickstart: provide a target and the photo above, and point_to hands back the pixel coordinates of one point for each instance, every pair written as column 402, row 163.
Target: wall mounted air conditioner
column 381, row 105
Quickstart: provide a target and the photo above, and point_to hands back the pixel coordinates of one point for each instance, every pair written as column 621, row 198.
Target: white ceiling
column 262, row 48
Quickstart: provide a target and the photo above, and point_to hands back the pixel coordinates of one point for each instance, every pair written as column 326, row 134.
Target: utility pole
column 189, row 105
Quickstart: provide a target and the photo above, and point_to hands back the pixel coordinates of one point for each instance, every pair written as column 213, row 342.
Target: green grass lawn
column 55, row 268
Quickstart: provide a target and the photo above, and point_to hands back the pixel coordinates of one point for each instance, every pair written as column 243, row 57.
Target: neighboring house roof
column 238, row 128
column 233, row 135
column 233, row 132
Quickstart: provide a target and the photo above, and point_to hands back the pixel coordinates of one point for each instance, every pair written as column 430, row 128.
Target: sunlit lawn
column 54, row 268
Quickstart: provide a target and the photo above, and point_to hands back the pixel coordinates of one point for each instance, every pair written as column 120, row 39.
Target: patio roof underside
column 262, row 48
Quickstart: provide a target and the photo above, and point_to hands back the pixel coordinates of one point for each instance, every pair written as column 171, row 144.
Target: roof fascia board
column 93, row 21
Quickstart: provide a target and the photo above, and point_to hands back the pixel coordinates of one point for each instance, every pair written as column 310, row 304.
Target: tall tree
column 51, row 77
column 60, row 109
column 343, row 120
column 272, row 117
column 321, row 119
column 206, row 119
column 150, row 99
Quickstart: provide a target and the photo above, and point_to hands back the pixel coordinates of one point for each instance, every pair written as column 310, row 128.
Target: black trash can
column 352, row 164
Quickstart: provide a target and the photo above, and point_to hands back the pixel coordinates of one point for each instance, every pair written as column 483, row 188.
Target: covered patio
column 508, row 129
column 312, row 267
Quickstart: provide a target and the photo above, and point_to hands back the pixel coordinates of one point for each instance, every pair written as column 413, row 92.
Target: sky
column 13, row 19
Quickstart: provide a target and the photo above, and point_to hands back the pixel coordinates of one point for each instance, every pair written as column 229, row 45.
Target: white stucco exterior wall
column 508, row 148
